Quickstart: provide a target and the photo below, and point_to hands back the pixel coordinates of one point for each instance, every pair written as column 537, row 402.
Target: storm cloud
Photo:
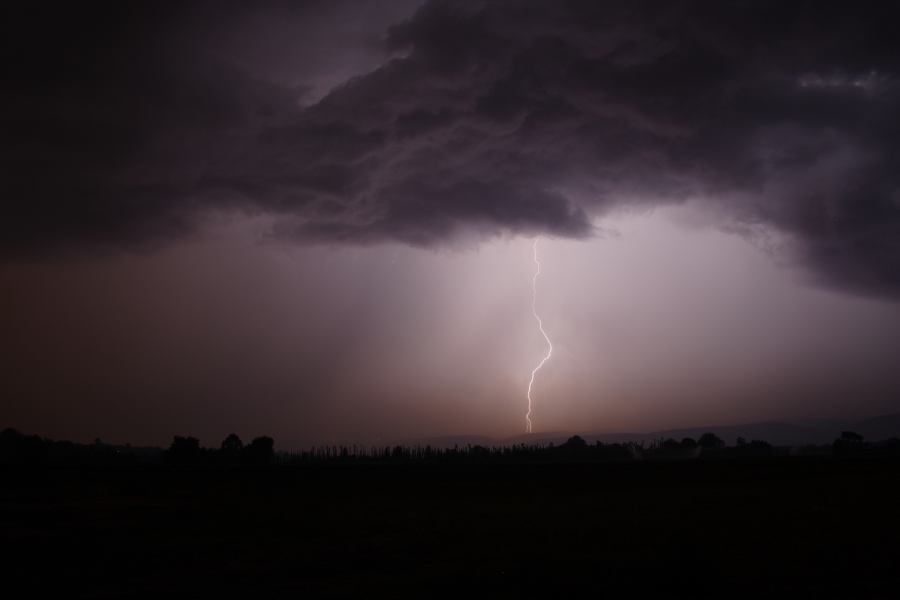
column 129, row 125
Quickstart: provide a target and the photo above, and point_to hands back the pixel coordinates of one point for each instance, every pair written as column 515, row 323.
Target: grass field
column 780, row 527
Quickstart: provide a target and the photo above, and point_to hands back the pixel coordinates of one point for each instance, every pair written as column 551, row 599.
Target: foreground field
column 804, row 527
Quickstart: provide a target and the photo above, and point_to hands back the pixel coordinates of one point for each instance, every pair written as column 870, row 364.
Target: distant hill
column 449, row 441
column 812, row 431
column 878, row 428
column 776, row 433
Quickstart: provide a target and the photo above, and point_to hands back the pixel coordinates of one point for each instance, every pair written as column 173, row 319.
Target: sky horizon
column 314, row 220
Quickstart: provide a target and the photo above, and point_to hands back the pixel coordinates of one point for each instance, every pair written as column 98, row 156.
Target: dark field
column 783, row 527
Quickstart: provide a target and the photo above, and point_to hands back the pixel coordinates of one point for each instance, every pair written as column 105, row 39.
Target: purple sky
column 313, row 220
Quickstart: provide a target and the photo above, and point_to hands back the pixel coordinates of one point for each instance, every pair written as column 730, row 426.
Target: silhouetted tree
column 184, row 450
column 260, row 451
column 851, row 437
column 573, row 447
column 709, row 440
column 670, row 444
column 756, row 448
column 479, row 452
column 231, row 450
column 688, row 443
column 232, row 444
column 17, row 448
column 576, row 441
column 849, row 442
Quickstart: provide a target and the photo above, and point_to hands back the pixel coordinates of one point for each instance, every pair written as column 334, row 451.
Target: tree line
column 185, row 451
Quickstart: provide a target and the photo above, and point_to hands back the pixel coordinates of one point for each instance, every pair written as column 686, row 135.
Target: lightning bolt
column 537, row 317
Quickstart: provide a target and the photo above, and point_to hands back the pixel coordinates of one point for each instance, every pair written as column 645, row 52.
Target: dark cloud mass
column 126, row 125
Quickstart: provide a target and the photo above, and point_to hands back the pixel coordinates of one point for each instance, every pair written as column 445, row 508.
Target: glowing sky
column 314, row 220
column 656, row 325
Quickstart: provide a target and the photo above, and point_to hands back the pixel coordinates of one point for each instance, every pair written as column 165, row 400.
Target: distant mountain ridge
column 818, row 431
